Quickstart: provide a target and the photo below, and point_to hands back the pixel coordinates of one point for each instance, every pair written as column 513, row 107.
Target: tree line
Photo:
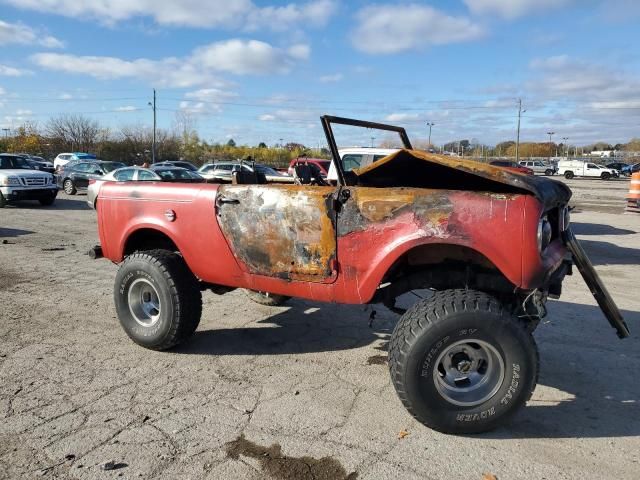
column 132, row 143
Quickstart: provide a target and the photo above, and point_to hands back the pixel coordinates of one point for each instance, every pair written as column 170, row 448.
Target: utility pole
column 153, row 146
column 566, row 147
column 430, row 124
column 550, row 144
column 520, row 112
column 372, row 139
column 6, row 132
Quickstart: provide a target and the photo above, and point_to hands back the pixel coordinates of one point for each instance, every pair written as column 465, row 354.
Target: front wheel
column 605, row 176
column 47, row 201
column 69, row 187
column 3, row 201
column 461, row 363
column 158, row 299
column 266, row 298
column 548, row 172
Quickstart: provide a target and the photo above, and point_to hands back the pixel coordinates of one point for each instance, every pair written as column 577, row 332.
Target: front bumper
column 21, row 193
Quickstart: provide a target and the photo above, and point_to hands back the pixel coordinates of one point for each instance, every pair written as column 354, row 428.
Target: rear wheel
column 568, row 175
column 605, row 176
column 157, row 298
column 266, row 298
column 69, row 187
column 461, row 363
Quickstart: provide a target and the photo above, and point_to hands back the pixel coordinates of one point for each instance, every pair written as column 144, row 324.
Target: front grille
column 34, row 181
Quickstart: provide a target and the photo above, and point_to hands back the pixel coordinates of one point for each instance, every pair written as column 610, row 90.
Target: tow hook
column 95, row 252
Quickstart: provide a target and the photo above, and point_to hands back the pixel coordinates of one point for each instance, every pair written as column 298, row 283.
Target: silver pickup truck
column 540, row 167
column 19, row 181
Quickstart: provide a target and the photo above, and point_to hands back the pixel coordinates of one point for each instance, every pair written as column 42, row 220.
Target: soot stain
column 279, row 466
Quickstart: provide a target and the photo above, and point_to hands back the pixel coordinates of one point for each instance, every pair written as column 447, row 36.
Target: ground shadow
column 580, row 355
column 605, row 253
column 302, row 327
column 581, row 358
column 13, row 232
column 580, row 228
column 59, row 204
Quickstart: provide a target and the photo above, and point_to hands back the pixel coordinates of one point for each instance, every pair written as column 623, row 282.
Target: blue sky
column 266, row 70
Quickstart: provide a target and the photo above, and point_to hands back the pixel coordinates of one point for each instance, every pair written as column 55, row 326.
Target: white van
column 358, row 157
column 581, row 168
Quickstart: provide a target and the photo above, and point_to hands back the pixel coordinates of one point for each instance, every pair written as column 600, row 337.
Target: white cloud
column 511, row 9
column 395, row 28
column 299, row 51
column 234, row 14
column 206, row 100
column 18, row 33
column 402, row 117
column 202, row 67
column 126, row 108
column 267, row 117
column 246, row 57
column 7, row 71
column 336, row 77
column 65, row 96
column 23, row 112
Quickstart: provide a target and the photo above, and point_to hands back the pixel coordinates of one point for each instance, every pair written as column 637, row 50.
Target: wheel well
column 440, row 267
column 148, row 239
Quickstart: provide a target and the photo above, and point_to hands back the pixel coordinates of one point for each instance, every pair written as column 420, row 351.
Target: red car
column 491, row 246
column 322, row 164
column 512, row 167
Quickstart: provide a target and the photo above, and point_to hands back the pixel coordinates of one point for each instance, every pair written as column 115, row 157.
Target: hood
column 416, row 169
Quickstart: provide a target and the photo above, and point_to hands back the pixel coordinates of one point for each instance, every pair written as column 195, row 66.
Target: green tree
column 231, row 143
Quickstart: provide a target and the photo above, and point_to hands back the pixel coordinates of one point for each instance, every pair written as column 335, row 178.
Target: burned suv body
column 492, row 246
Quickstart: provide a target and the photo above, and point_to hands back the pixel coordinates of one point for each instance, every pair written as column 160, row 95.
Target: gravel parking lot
column 300, row 391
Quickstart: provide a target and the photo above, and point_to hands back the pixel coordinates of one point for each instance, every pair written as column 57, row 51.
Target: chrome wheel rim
column 68, row 186
column 468, row 372
column 144, row 302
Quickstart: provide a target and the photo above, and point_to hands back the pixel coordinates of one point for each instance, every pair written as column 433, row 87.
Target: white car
column 358, row 157
column 19, row 181
column 126, row 174
column 581, row 168
column 539, row 167
column 64, row 158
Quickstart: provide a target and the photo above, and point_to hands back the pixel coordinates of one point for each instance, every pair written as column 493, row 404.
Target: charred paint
column 368, row 207
column 284, row 231
column 413, row 168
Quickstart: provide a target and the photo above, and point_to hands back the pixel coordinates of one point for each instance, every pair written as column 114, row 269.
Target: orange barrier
column 633, row 197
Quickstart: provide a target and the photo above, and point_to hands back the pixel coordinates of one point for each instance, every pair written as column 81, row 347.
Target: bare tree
column 75, row 132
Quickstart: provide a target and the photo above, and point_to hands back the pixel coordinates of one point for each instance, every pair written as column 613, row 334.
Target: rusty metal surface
column 284, row 231
column 413, row 168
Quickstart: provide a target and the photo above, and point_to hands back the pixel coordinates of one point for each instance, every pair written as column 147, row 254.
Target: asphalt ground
column 298, row 391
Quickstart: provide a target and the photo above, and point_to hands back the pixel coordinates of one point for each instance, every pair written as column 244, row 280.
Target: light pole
column 550, row 144
column 6, row 132
column 520, row 112
column 566, row 149
column 430, row 124
column 153, row 145
column 372, row 139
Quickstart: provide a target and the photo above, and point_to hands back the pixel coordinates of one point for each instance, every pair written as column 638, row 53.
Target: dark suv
column 76, row 176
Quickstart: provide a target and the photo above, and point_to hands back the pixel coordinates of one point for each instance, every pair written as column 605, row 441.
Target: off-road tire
column 68, row 187
column 178, row 292
column 266, row 298
column 47, row 201
column 430, row 328
column 605, row 175
column 568, row 175
column 3, row 201
column 548, row 172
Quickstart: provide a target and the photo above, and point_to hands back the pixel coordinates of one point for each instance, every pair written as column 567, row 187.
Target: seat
column 308, row 174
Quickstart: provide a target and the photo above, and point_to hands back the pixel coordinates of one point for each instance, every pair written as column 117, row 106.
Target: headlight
column 9, row 181
column 544, row 234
